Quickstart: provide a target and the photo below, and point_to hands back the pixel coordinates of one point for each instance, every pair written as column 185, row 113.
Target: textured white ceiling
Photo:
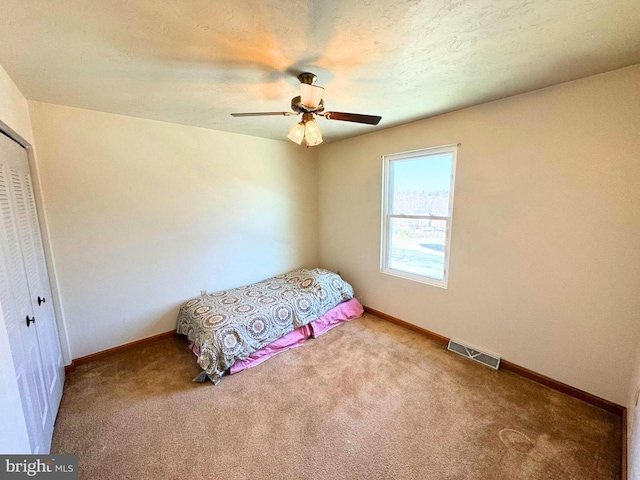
column 196, row 61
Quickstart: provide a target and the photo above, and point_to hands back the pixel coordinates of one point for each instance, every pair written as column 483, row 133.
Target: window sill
column 416, row 278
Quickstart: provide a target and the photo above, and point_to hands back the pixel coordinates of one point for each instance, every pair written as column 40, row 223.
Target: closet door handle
column 41, row 300
column 30, row 320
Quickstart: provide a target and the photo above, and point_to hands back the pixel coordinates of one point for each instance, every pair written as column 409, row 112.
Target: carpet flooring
column 368, row 400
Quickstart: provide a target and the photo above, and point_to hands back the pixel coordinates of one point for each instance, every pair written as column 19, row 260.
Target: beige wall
column 13, row 108
column 633, row 422
column 145, row 214
column 545, row 251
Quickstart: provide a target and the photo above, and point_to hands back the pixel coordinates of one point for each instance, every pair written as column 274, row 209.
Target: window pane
column 417, row 246
column 421, row 185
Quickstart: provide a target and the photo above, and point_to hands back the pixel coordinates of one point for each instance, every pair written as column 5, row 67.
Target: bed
column 240, row 326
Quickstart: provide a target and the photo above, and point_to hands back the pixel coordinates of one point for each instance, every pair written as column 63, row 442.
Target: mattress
column 341, row 313
column 230, row 325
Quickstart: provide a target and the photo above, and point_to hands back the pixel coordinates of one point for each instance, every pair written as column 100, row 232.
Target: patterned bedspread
column 228, row 326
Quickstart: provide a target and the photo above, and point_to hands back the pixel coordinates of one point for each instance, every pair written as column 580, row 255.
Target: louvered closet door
column 40, row 292
column 16, row 307
column 35, row 348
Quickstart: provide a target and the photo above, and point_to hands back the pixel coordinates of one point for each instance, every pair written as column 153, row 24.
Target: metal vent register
column 484, row 358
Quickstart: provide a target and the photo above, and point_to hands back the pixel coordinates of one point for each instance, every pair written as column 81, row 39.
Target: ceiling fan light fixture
column 312, row 134
column 296, row 134
column 311, row 95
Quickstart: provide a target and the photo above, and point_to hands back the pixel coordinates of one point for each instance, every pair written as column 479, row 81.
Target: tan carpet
column 368, row 400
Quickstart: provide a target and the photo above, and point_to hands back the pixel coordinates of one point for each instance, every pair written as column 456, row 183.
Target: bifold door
column 25, row 295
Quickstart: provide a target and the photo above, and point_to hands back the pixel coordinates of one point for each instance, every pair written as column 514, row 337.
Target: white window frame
column 387, row 198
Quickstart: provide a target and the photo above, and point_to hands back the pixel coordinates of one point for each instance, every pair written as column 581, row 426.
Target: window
column 417, row 205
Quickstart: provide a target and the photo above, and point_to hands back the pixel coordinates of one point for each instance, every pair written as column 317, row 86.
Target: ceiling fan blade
column 263, row 114
column 353, row 117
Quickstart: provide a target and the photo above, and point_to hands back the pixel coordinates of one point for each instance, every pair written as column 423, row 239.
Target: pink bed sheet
column 341, row 313
column 291, row 340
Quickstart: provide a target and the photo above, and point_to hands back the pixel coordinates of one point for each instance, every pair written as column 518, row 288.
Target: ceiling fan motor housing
column 308, row 78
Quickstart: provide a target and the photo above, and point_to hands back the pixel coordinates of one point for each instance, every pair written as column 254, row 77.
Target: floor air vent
column 487, row 359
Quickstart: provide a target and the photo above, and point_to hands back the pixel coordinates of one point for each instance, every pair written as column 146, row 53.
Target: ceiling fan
column 310, row 104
